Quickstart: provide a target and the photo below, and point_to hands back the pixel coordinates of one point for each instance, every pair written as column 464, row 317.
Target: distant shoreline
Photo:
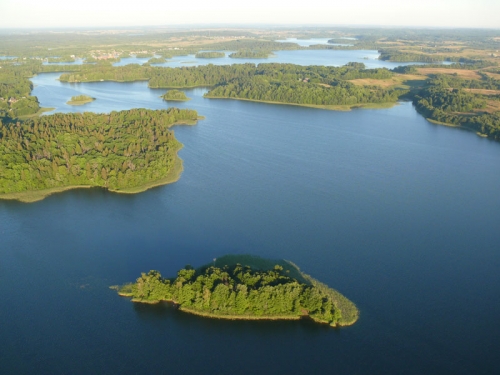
column 318, row 106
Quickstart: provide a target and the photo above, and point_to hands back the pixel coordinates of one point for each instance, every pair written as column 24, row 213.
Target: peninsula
column 126, row 152
column 244, row 287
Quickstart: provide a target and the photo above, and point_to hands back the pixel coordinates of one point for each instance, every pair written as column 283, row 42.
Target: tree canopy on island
column 175, row 95
column 239, row 291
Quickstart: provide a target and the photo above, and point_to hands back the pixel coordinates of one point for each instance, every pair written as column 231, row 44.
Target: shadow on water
column 166, row 312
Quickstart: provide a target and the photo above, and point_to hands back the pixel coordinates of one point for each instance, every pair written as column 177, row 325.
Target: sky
column 122, row 13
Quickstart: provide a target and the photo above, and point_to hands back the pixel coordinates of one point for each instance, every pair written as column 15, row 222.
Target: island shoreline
column 174, row 175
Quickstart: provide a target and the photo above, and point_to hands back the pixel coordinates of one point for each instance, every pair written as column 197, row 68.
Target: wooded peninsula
column 244, row 287
column 127, row 152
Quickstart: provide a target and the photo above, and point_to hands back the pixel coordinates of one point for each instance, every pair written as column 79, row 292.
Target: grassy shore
column 39, row 113
column 328, row 107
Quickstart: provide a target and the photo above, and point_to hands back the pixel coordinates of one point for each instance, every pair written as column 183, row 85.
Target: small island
column 157, row 60
column 245, row 287
column 80, row 100
column 175, row 96
column 251, row 54
column 209, row 55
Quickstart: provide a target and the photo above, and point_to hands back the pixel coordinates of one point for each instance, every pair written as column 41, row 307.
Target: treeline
column 311, row 85
column 252, row 44
column 457, row 107
column 450, row 81
column 209, row 55
column 242, row 292
column 397, row 56
column 285, row 83
column 306, row 93
column 108, row 72
column 15, row 86
column 175, row 95
column 211, row 75
column 118, row 151
column 157, row 60
column 61, row 59
column 250, row 54
column 80, row 98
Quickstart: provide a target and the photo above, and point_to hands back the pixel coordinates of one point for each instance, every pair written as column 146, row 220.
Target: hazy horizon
column 31, row 14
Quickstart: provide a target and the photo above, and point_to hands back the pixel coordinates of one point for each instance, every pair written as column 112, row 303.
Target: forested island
column 127, row 152
column 80, row 100
column 209, row 55
column 157, row 60
column 175, row 96
column 251, row 54
column 247, row 288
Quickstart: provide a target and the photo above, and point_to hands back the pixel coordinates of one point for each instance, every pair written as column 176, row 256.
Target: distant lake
column 299, row 57
column 398, row 214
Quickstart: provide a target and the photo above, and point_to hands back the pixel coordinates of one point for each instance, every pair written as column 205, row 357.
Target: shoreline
column 80, row 102
column 435, row 122
column 172, row 176
column 348, row 309
column 344, row 108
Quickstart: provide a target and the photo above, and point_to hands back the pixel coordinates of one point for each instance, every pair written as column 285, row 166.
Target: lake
column 398, row 214
column 299, row 57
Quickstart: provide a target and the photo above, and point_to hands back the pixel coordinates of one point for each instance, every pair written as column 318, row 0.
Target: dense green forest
column 15, row 86
column 443, row 103
column 409, row 57
column 251, row 54
column 209, row 55
column 242, row 291
column 61, row 59
column 311, row 85
column 119, row 151
column 157, row 60
column 175, row 95
column 80, row 99
column 284, row 83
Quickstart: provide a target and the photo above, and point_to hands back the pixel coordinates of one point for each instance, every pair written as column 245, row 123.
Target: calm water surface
column 312, row 41
column 398, row 214
column 299, row 57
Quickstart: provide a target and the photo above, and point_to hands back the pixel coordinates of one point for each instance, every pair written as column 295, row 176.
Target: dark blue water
column 398, row 214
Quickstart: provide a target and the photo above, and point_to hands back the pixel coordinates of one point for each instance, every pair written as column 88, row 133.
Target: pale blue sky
column 109, row 13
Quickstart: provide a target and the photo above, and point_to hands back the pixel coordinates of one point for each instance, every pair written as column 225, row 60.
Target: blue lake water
column 300, row 57
column 398, row 214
